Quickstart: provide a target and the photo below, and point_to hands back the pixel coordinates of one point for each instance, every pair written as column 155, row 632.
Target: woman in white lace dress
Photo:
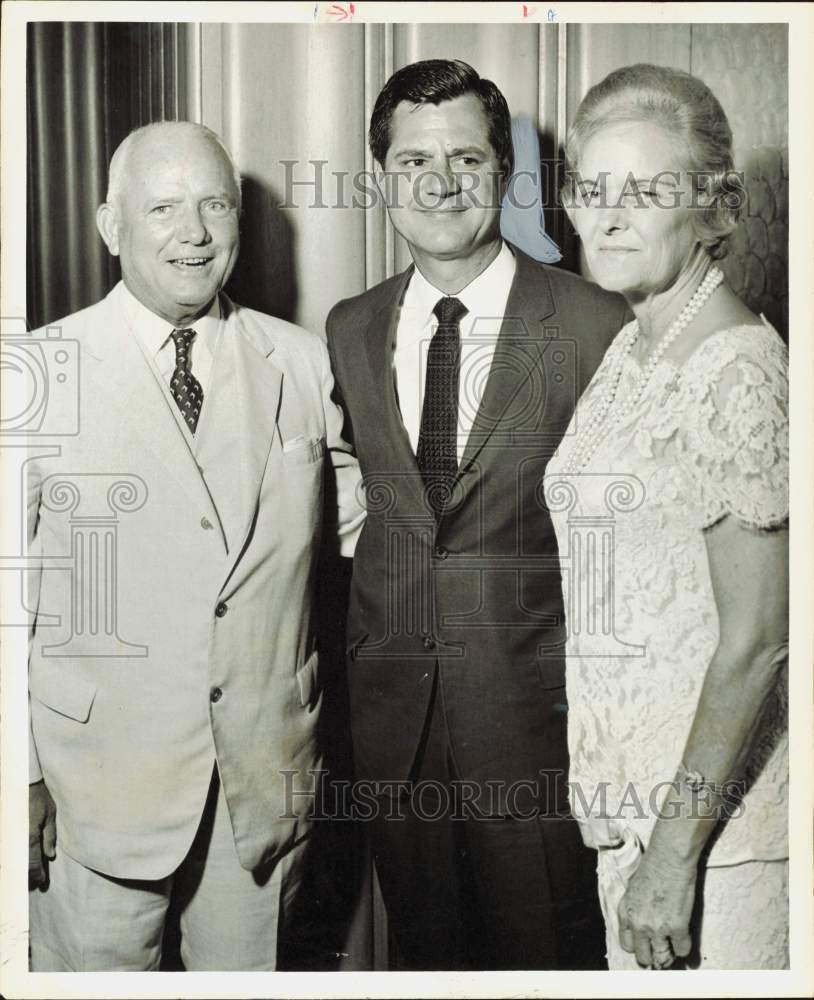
column 669, row 496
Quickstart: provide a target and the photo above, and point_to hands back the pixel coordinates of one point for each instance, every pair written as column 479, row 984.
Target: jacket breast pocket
column 552, row 673
column 303, row 451
column 352, row 646
column 61, row 690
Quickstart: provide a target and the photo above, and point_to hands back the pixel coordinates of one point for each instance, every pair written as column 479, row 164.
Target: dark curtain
column 89, row 84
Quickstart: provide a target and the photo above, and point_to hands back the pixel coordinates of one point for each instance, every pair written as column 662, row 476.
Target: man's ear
column 567, row 200
column 382, row 183
column 504, row 175
column 571, row 199
column 107, row 222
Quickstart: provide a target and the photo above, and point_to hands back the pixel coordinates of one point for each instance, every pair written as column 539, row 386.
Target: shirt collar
column 155, row 331
column 480, row 296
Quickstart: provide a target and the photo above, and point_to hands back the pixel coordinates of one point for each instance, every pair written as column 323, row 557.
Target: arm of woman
column 734, row 448
column 749, row 571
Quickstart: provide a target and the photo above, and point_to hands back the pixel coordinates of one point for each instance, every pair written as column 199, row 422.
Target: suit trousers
column 464, row 890
column 230, row 918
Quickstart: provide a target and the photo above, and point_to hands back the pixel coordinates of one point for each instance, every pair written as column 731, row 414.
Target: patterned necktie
column 438, row 438
column 186, row 389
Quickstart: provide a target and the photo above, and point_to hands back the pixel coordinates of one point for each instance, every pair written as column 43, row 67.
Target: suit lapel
column 516, row 391
column 221, row 470
column 380, row 337
column 217, row 440
column 122, row 370
column 246, row 399
column 514, row 383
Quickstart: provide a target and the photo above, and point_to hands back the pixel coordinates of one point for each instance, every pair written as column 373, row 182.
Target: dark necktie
column 186, row 389
column 438, row 438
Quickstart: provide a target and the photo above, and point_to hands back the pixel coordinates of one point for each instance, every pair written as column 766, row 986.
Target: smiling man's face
column 175, row 224
column 445, row 181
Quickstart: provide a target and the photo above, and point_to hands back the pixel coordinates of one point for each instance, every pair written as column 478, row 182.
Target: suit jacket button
column 215, row 694
column 429, row 642
column 221, row 609
column 206, row 524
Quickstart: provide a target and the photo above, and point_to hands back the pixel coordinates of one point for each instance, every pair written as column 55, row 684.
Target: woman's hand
column 654, row 914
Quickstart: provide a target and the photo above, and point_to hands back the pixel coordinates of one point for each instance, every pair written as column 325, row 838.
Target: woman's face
column 633, row 209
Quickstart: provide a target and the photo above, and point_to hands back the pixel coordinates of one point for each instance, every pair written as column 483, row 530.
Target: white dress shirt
column 154, row 334
column 485, row 299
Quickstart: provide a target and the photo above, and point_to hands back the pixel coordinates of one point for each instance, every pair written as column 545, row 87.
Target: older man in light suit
column 171, row 732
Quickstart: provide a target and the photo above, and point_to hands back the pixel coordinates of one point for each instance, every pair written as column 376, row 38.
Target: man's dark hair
column 431, row 82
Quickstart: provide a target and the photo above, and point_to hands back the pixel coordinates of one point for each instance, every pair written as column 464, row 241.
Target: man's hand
column 42, row 832
column 654, row 914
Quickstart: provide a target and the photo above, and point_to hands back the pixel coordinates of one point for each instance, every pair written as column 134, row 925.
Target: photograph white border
column 15, row 980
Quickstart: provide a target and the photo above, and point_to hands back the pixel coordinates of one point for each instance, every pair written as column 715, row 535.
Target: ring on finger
column 663, row 956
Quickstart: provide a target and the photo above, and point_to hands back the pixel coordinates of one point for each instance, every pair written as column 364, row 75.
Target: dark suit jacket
column 478, row 593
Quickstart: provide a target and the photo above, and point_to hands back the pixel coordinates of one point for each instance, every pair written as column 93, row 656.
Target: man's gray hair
column 117, row 175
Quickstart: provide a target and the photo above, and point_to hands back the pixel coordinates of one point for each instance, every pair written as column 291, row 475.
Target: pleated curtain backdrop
column 88, row 85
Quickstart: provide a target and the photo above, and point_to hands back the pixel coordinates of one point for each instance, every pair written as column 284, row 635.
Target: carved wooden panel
column 746, row 67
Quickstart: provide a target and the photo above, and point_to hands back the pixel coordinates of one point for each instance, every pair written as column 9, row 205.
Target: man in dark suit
column 459, row 378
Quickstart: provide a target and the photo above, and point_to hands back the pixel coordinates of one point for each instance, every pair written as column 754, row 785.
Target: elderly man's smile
column 191, row 263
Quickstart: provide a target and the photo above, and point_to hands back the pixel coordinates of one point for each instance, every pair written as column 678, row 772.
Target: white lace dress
column 704, row 441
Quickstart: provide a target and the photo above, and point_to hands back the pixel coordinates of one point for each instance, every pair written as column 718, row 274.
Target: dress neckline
column 765, row 326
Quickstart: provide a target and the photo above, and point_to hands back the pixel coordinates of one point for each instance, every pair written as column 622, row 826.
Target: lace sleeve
column 735, row 439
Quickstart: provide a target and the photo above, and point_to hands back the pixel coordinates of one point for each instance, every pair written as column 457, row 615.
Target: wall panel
column 289, row 101
column 380, row 239
column 746, row 67
column 594, row 50
column 506, row 53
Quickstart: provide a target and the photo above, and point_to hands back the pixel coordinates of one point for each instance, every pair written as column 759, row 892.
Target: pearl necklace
column 597, row 425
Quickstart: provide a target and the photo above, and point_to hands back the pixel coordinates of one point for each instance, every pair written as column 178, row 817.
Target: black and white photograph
column 399, row 453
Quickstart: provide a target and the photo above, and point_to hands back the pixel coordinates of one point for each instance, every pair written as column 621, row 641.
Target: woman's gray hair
column 689, row 113
column 117, row 175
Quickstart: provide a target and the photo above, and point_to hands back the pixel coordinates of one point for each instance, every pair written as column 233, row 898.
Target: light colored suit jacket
column 174, row 610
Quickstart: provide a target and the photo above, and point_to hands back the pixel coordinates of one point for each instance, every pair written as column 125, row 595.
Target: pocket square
column 302, row 450
column 293, row 443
